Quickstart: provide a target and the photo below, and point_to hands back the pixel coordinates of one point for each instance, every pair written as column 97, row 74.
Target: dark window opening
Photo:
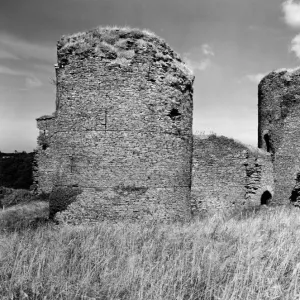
column 45, row 146
column 296, row 190
column 174, row 113
column 266, row 198
column 268, row 143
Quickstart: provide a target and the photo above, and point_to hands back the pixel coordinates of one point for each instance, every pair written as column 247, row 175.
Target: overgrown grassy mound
column 221, row 143
column 111, row 39
column 120, row 45
column 257, row 257
column 22, row 216
column 10, row 197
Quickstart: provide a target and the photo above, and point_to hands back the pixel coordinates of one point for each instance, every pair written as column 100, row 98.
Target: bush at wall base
column 60, row 198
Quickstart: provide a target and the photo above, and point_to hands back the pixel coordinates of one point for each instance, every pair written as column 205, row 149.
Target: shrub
column 42, row 197
column 10, row 197
column 60, row 198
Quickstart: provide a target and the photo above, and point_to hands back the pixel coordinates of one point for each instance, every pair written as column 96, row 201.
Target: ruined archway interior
column 266, row 198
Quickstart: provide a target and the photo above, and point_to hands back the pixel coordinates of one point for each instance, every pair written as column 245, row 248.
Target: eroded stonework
column 228, row 175
column 279, row 123
column 122, row 129
column 120, row 140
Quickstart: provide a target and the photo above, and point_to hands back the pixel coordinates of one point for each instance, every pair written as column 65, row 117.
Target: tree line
column 16, row 169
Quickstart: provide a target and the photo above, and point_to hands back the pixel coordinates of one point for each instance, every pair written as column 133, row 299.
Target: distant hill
column 16, row 170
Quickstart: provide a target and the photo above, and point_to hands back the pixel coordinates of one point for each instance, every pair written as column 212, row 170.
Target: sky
column 229, row 44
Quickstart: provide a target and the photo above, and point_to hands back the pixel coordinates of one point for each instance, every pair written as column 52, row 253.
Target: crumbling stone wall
column 43, row 167
column 279, row 123
column 228, row 175
column 122, row 130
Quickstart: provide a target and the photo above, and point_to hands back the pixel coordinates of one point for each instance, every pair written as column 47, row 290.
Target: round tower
column 278, row 127
column 123, row 126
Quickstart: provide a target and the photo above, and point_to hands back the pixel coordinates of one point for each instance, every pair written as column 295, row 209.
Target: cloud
column 256, row 78
column 8, row 71
column 291, row 10
column 295, row 45
column 31, row 81
column 13, row 47
column 196, row 65
column 199, row 64
column 207, row 50
column 7, row 55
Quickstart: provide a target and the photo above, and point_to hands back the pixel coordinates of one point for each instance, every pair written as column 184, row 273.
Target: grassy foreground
column 257, row 257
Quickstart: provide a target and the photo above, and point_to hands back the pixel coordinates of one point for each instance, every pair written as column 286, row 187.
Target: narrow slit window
column 268, row 142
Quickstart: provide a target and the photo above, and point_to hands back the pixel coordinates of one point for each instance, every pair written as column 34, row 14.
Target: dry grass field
column 242, row 257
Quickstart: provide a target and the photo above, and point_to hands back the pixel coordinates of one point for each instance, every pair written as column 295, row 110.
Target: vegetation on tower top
column 119, row 43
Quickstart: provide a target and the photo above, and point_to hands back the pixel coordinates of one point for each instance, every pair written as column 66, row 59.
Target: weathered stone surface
column 278, row 132
column 228, row 175
column 122, row 129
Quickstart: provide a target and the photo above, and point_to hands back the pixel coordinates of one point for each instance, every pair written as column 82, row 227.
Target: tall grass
column 23, row 215
column 254, row 257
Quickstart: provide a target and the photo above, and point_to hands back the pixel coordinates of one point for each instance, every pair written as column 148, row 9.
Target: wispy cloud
column 13, row 47
column 255, row 78
column 207, row 50
column 7, row 55
column 196, row 65
column 31, row 81
column 9, row 71
column 203, row 62
column 291, row 10
column 295, row 45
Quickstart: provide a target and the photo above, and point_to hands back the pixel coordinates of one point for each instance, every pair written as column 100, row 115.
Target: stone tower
column 122, row 129
column 279, row 127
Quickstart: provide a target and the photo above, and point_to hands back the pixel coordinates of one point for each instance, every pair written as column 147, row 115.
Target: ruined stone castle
column 122, row 129
column 122, row 134
column 279, row 128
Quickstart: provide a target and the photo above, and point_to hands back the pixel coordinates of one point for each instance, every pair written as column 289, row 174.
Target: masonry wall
column 122, row 129
column 227, row 175
column 279, row 123
column 44, row 165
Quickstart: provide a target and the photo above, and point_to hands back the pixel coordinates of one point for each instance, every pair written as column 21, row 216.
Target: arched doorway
column 266, row 198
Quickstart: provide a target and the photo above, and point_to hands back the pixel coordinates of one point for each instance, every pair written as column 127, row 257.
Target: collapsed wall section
column 278, row 132
column 123, row 127
column 43, row 166
column 227, row 175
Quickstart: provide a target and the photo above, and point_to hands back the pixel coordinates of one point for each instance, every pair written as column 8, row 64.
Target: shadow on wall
column 266, row 198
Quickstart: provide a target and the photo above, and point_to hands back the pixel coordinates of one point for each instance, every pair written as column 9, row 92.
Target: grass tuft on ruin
column 224, row 142
column 120, row 45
